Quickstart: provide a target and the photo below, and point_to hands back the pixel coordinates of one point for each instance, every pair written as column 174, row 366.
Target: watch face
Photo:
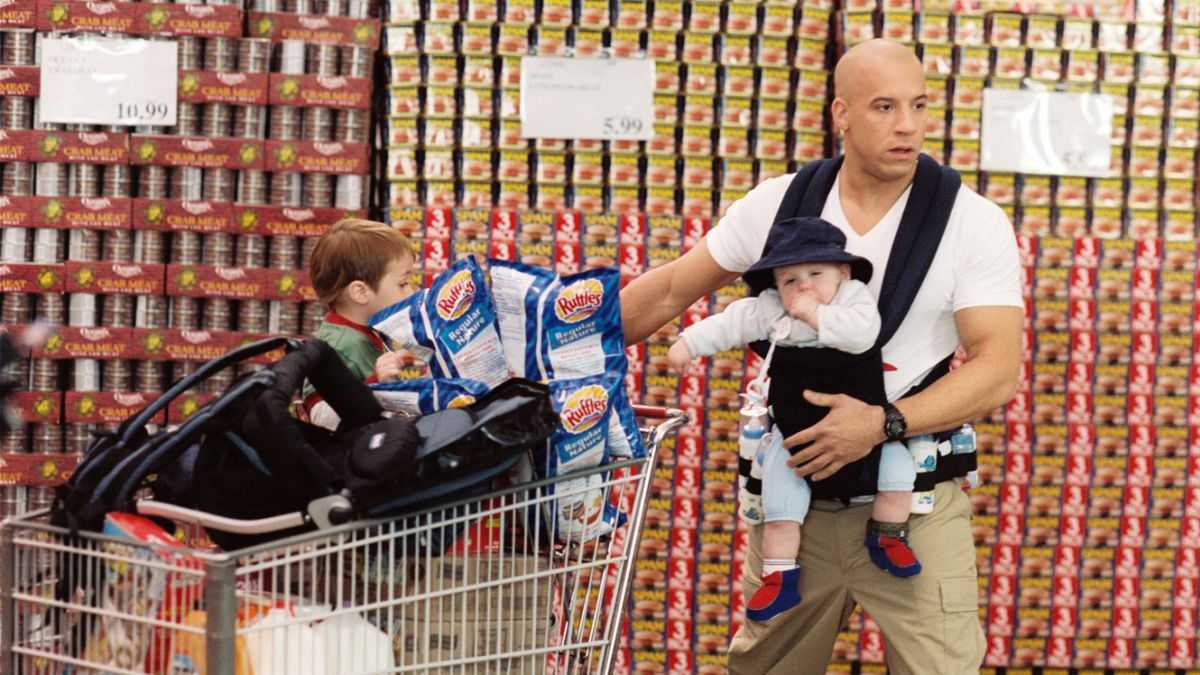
column 895, row 427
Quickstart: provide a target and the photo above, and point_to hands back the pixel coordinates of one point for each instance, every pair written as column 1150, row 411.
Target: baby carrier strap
column 922, row 226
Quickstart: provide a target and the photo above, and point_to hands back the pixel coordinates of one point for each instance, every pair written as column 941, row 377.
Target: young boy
column 358, row 267
column 812, row 293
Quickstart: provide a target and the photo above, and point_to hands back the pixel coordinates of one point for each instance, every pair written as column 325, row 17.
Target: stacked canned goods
column 288, row 123
column 16, row 112
column 101, row 260
column 16, row 244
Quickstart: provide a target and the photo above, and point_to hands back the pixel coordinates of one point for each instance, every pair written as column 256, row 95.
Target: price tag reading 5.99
column 142, row 113
column 110, row 81
column 604, row 99
column 622, row 126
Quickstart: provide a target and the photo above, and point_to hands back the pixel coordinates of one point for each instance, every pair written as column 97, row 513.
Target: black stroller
column 245, row 456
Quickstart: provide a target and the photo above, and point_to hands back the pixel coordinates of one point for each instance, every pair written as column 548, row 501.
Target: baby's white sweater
column 850, row 323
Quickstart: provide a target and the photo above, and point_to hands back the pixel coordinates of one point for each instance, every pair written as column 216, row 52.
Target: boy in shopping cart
column 358, row 267
column 809, row 293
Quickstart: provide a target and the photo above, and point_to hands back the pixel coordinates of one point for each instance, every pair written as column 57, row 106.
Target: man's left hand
column 845, row 435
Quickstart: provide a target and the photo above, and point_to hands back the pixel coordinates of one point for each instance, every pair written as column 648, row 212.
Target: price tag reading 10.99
column 108, row 80
column 142, row 113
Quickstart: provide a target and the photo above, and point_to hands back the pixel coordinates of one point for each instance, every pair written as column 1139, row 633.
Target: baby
column 815, row 296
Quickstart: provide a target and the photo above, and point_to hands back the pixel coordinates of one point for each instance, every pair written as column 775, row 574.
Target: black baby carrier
column 922, row 225
column 246, row 456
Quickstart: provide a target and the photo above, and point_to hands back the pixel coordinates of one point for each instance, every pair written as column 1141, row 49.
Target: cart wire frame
column 394, row 595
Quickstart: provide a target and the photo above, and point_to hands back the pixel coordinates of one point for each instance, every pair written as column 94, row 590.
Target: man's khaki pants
column 929, row 622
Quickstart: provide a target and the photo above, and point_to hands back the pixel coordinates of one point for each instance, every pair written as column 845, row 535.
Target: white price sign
column 587, row 98
column 1045, row 132
column 113, row 81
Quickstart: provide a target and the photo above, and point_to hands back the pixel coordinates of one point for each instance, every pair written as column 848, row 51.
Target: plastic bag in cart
column 288, row 639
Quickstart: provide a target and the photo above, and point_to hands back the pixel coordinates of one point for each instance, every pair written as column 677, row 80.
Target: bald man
column 969, row 294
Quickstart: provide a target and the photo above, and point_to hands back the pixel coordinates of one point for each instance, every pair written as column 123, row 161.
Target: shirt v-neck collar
column 889, row 221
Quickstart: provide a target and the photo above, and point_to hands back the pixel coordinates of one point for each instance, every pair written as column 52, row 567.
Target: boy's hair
column 354, row 250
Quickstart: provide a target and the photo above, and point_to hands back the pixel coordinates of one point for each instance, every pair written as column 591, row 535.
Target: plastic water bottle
column 753, row 420
column 751, row 434
column 924, row 453
column 963, row 443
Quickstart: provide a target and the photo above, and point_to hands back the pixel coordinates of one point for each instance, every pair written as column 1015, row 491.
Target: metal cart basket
column 477, row 586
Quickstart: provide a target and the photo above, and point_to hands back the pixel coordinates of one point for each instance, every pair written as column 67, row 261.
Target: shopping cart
column 363, row 597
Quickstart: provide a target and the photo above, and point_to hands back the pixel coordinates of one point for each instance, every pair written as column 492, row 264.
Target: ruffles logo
column 579, row 301
column 456, row 296
column 584, row 408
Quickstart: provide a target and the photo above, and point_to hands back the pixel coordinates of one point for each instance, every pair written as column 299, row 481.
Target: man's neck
column 868, row 196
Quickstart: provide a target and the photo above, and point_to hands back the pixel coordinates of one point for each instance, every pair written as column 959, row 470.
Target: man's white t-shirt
column 976, row 265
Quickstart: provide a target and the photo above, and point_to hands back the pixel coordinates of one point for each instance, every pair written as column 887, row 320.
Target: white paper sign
column 112, row 81
column 1042, row 132
column 587, row 98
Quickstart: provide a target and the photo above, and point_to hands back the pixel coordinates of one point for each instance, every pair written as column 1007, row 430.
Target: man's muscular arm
column 655, row 298
column 986, row 380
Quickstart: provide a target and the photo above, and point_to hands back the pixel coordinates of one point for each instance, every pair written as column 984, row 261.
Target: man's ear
column 358, row 292
column 839, row 110
column 845, row 271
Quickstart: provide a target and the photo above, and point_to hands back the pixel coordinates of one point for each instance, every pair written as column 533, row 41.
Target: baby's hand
column 388, row 366
column 679, row 356
column 804, row 307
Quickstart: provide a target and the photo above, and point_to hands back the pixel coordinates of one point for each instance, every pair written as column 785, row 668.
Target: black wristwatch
column 894, row 424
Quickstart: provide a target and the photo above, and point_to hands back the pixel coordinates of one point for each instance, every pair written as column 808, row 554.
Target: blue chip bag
column 565, row 328
column 590, row 434
column 424, row 396
column 518, row 291
column 559, row 328
column 624, row 438
column 451, row 325
column 580, row 323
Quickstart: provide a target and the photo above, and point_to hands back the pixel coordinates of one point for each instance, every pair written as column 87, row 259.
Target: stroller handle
column 286, row 521
column 232, row 357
